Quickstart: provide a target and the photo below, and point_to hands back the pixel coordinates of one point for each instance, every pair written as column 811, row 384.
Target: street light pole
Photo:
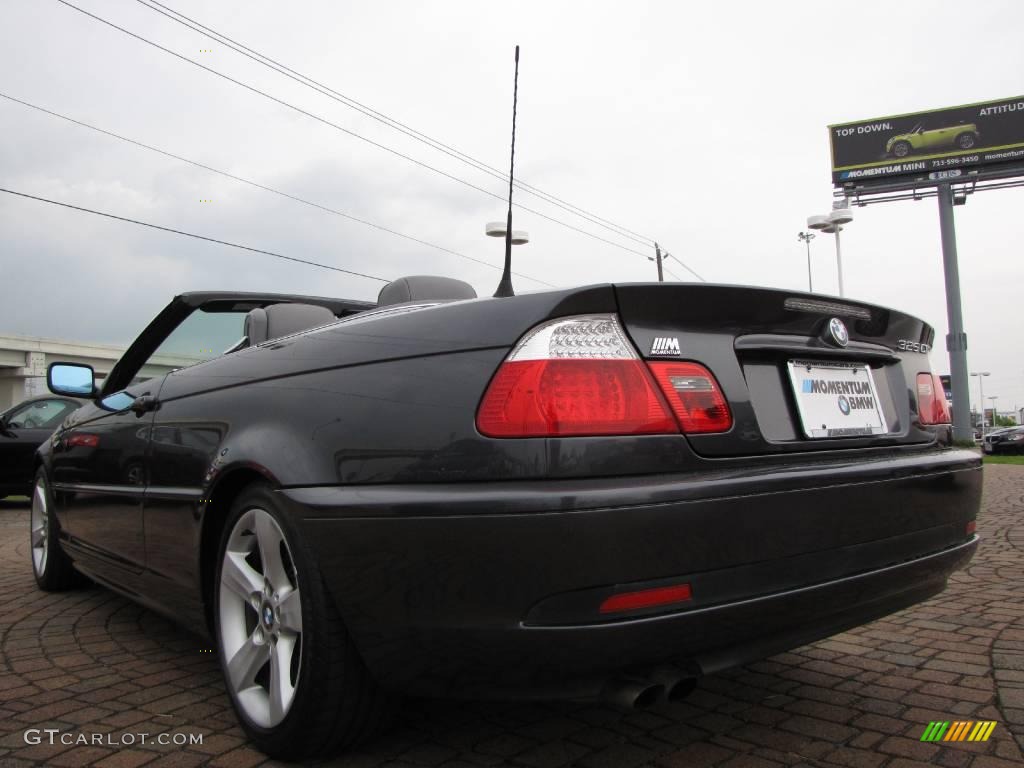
column 839, row 261
column 838, row 218
column 993, row 398
column 807, row 237
column 832, row 223
column 511, row 237
column 981, row 395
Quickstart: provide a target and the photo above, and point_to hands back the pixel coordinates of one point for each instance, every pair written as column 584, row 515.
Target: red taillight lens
column 932, row 407
column 694, row 396
column 972, row 527
column 81, row 439
column 647, row 598
column 538, row 398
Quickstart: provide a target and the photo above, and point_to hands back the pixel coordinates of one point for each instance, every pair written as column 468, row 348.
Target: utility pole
column 657, row 258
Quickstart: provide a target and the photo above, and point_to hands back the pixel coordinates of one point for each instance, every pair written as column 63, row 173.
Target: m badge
column 665, row 345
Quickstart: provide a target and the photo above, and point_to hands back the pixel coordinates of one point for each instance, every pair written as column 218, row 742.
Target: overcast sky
column 700, row 124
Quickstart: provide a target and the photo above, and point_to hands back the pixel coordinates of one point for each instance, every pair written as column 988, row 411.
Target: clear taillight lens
column 573, row 376
column 932, row 407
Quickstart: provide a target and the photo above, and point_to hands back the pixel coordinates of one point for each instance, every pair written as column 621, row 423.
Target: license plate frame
column 841, row 401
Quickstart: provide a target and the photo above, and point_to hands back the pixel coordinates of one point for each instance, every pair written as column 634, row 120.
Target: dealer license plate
column 836, row 399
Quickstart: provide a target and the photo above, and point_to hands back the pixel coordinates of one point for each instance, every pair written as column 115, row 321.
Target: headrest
column 424, row 288
column 276, row 320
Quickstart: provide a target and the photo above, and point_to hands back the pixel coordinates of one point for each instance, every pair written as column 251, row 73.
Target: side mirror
column 71, row 379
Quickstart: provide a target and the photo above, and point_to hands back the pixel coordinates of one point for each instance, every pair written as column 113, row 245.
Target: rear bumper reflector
column 647, row 598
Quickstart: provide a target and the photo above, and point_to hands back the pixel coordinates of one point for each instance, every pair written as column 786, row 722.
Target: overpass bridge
column 23, row 362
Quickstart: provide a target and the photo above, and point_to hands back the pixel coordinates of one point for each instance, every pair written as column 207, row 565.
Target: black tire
column 336, row 704
column 966, row 140
column 901, row 148
column 50, row 565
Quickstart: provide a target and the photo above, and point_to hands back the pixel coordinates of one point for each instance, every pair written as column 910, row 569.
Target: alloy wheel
column 260, row 618
column 40, row 528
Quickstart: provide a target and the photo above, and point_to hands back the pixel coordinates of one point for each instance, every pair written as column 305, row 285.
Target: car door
column 22, row 430
column 936, row 138
column 100, row 476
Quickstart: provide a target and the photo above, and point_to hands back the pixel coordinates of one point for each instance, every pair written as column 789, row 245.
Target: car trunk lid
column 779, row 358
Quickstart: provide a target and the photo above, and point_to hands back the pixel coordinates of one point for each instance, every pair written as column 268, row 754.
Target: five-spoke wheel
column 260, row 618
column 50, row 565
column 40, row 527
column 297, row 682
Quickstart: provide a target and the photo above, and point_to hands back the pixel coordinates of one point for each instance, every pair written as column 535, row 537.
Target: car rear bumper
column 1004, row 447
column 492, row 590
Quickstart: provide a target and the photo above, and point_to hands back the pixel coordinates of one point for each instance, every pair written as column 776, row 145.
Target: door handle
column 144, row 404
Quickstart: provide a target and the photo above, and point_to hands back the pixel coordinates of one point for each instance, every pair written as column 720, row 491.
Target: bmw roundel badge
column 837, row 329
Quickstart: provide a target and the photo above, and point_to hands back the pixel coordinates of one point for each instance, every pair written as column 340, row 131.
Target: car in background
column 23, row 428
column 994, row 431
column 599, row 492
column 963, row 136
column 1007, row 440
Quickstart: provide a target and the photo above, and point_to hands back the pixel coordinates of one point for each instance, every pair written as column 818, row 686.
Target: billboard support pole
column 956, row 339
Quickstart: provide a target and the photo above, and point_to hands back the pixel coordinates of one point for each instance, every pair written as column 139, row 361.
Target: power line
column 685, row 266
column 205, row 167
column 397, row 125
column 382, row 117
column 673, row 274
column 346, row 130
column 197, row 237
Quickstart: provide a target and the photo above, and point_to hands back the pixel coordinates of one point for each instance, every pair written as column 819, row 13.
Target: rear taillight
column 83, row 440
column 932, row 407
column 694, row 396
column 573, row 376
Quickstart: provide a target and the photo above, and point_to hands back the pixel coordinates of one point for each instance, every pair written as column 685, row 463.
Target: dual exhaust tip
column 641, row 692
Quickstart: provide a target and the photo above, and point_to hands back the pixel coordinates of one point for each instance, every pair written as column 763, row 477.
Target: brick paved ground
column 88, row 662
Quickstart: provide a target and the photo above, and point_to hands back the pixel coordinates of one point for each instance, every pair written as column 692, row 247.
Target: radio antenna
column 505, row 286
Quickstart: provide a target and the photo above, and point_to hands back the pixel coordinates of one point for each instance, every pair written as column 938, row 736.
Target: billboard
column 938, row 144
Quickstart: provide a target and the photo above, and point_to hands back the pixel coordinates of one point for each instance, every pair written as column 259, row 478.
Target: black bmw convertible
column 606, row 491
